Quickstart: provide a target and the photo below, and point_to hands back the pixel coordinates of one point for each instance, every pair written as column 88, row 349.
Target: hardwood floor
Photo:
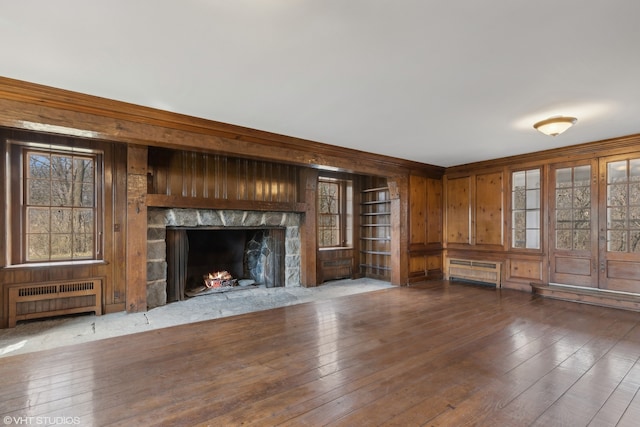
column 434, row 354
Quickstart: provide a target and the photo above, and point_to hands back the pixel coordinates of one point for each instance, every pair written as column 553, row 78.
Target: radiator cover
column 474, row 271
column 32, row 301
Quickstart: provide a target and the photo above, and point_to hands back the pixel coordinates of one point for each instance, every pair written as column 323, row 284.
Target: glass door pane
column 623, row 206
column 573, row 208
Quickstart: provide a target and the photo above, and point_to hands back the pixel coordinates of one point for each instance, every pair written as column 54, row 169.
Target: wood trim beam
column 611, row 146
column 136, row 229
column 30, row 106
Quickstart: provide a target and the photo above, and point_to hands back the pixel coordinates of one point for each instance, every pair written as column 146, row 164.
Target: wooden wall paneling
column 210, row 190
column 4, row 233
column 115, row 228
column 257, row 181
column 335, row 264
column 4, row 209
column 417, row 210
column 197, row 175
column 278, row 187
column 524, row 270
column 458, row 210
column 136, row 229
column 110, row 219
column 308, row 228
column 268, row 181
column 235, row 175
column 220, row 176
column 249, row 177
column 358, row 182
column 489, row 220
column 175, row 175
column 273, row 172
column 434, row 212
column 243, row 179
column 14, row 208
column 157, row 170
column 425, row 223
column 277, row 193
column 399, row 196
column 267, row 178
column 435, row 266
column 207, row 176
column 417, row 267
column 294, row 176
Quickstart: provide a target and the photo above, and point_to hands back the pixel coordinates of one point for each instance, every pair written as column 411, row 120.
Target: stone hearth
column 159, row 219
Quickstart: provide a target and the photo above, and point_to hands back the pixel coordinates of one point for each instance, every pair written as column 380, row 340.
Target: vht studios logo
column 8, row 420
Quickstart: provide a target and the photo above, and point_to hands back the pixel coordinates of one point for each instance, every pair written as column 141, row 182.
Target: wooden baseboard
column 598, row 297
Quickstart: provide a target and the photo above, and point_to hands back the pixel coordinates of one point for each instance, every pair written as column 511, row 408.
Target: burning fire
column 218, row 279
column 222, row 275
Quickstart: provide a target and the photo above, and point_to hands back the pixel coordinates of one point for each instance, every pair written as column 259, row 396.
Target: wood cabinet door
column 573, row 196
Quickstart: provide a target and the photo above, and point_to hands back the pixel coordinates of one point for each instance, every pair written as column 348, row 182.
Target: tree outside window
column 525, row 209
column 334, row 212
column 623, row 206
column 573, row 208
column 59, row 206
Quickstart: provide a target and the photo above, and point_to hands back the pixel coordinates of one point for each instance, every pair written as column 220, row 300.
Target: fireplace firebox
column 253, row 254
column 168, row 246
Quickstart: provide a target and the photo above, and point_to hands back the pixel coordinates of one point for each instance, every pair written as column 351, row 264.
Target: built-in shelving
column 375, row 233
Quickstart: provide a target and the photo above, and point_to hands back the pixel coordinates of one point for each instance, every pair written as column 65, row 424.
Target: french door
column 595, row 223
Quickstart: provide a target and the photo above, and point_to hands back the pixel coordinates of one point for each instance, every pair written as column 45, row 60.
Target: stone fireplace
column 258, row 232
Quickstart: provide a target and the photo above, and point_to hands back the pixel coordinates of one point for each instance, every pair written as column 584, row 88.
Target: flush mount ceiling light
column 555, row 125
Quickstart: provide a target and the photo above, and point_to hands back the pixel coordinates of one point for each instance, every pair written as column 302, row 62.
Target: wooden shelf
column 376, row 202
column 371, row 190
column 375, row 229
column 376, row 252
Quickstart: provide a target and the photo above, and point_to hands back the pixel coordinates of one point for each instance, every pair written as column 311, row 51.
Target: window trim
column 541, row 222
column 16, row 193
column 344, row 212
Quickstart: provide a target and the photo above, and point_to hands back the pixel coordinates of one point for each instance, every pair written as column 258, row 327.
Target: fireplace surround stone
column 160, row 218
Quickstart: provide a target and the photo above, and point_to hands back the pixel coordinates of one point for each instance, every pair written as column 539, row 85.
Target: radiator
column 475, row 271
column 29, row 301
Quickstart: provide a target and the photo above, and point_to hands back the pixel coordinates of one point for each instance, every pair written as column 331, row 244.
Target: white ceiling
column 440, row 82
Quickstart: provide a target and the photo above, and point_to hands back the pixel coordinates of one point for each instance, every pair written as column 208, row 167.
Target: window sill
column 55, row 264
column 335, row 248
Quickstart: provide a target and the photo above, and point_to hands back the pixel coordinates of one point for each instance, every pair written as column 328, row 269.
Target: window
column 525, row 209
column 623, row 206
column 573, row 208
column 335, row 216
column 58, row 215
